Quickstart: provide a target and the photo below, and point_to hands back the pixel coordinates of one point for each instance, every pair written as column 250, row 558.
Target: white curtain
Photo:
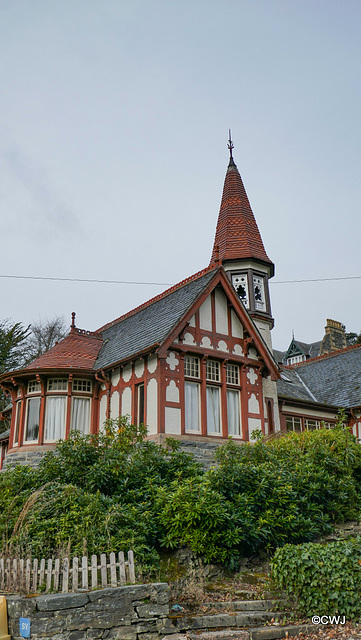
column 191, row 399
column 80, row 414
column 55, row 418
column 213, row 410
column 233, row 412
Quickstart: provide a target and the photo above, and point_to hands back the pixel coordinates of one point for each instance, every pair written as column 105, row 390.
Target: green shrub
column 324, row 579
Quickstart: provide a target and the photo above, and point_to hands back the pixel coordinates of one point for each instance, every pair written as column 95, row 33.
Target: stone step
column 260, row 633
column 223, row 620
column 243, row 605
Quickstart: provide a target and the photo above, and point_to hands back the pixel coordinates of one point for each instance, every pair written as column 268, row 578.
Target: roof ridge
column 324, row 356
column 175, row 287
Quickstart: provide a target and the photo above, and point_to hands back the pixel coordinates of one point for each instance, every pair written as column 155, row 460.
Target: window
column 232, row 374
column 234, row 423
column 212, row 371
column 140, row 404
column 191, row 367
column 310, row 425
column 293, row 423
column 82, row 385
column 213, row 410
column 55, row 418
column 296, row 359
column 34, row 386
column 17, row 421
column 258, row 289
column 57, row 384
column 32, row 420
column 240, row 283
column 80, row 414
column 191, row 399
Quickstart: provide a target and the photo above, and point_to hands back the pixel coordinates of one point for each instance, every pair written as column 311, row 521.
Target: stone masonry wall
column 135, row 612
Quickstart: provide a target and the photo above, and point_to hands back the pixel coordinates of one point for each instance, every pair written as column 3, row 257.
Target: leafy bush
column 324, row 579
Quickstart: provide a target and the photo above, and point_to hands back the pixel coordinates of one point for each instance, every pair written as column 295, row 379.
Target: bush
column 324, row 579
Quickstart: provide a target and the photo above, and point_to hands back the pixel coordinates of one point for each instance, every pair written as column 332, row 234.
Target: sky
column 114, row 121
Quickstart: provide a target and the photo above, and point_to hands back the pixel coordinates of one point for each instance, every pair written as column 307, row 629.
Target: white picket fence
column 19, row 575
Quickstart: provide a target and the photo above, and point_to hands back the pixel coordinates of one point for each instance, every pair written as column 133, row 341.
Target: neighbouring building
column 195, row 362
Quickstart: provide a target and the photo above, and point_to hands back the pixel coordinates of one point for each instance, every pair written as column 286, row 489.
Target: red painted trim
column 244, row 403
column 224, row 410
column 203, row 402
column 42, row 412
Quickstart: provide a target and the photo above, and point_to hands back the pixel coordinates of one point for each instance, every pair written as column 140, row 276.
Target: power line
column 161, row 284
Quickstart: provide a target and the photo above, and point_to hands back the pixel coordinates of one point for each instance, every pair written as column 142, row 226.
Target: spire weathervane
column 230, row 145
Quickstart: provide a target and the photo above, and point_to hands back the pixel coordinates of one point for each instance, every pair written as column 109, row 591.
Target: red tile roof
column 77, row 351
column 237, row 235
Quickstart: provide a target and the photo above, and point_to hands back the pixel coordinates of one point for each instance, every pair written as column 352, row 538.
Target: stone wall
column 32, row 458
column 135, row 612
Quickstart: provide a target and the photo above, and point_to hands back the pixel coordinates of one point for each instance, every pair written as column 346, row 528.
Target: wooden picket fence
column 19, row 575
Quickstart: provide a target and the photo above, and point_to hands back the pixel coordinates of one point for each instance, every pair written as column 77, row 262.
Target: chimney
column 334, row 338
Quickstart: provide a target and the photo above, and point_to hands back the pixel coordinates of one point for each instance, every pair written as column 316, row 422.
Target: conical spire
column 237, row 234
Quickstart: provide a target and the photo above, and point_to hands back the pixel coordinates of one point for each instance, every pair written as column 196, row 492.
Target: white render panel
column 192, row 322
column 237, row 350
column 172, row 420
column 252, row 353
column 152, row 364
column 222, row 346
column 127, row 372
column 102, row 412
column 172, row 360
column 253, row 424
column 237, row 328
column 221, row 312
column 265, row 331
column 127, row 402
column 115, row 377
column 172, row 392
column 205, row 315
column 253, row 404
column 188, row 338
column 139, row 368
column 206, row 342
column 152, row 406
column 114, row 405
column 269, row 390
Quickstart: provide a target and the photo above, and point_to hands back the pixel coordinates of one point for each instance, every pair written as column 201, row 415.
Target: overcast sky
column 114, row 119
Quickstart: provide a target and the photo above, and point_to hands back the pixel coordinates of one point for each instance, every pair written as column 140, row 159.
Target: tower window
column 258, row 289
column 240, row 284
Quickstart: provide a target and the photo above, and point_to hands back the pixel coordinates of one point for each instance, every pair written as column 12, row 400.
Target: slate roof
column 290, row 386
column 77, row 351
column 5, row 435
column 237, row 234
column 150, row 323
column 311, row 350
column 279, row 355
column 334, row 378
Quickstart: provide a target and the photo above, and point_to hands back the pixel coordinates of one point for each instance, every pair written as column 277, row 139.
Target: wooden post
column 28, row 575
column 94, row 571
column 56, row 574
column 131, row 567
column 75, row 573
column 42, row 572
column 122, row 575
column 103, row 570
column 65, row 588
column 84, row 571
column 49, row 572
column 113, row 571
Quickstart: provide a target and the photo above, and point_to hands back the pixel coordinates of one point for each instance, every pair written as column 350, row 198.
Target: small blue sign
column 24, row 624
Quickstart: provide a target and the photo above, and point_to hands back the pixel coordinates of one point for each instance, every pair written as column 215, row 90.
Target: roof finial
column 72, row 326
column 230, row 147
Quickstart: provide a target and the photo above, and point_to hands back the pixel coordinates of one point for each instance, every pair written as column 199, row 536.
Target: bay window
column 80, row 414
column 32, row 419
column 55, row 418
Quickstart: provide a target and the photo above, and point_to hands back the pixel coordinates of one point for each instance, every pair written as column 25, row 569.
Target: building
column 195, row 362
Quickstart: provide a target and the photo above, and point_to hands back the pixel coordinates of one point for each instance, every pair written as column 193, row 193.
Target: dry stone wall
column 136, row 612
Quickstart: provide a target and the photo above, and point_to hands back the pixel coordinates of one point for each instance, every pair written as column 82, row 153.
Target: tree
column 13, row 348
column 44, row 335
column 353, row 338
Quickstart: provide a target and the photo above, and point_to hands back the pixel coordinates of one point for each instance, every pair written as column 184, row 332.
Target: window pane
column 82, row 385
column 233, row 413
column 213, row 410
column 57, row 384
column 17, row 423
column 212, row 370
column 55, row 418
column 140, row 404
column 191, row 367
column 32, row 423
column 80, row 414
column 191, row 399
column 232, row 374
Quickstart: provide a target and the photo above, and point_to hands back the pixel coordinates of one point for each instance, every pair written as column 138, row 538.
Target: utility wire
column 162, row 284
